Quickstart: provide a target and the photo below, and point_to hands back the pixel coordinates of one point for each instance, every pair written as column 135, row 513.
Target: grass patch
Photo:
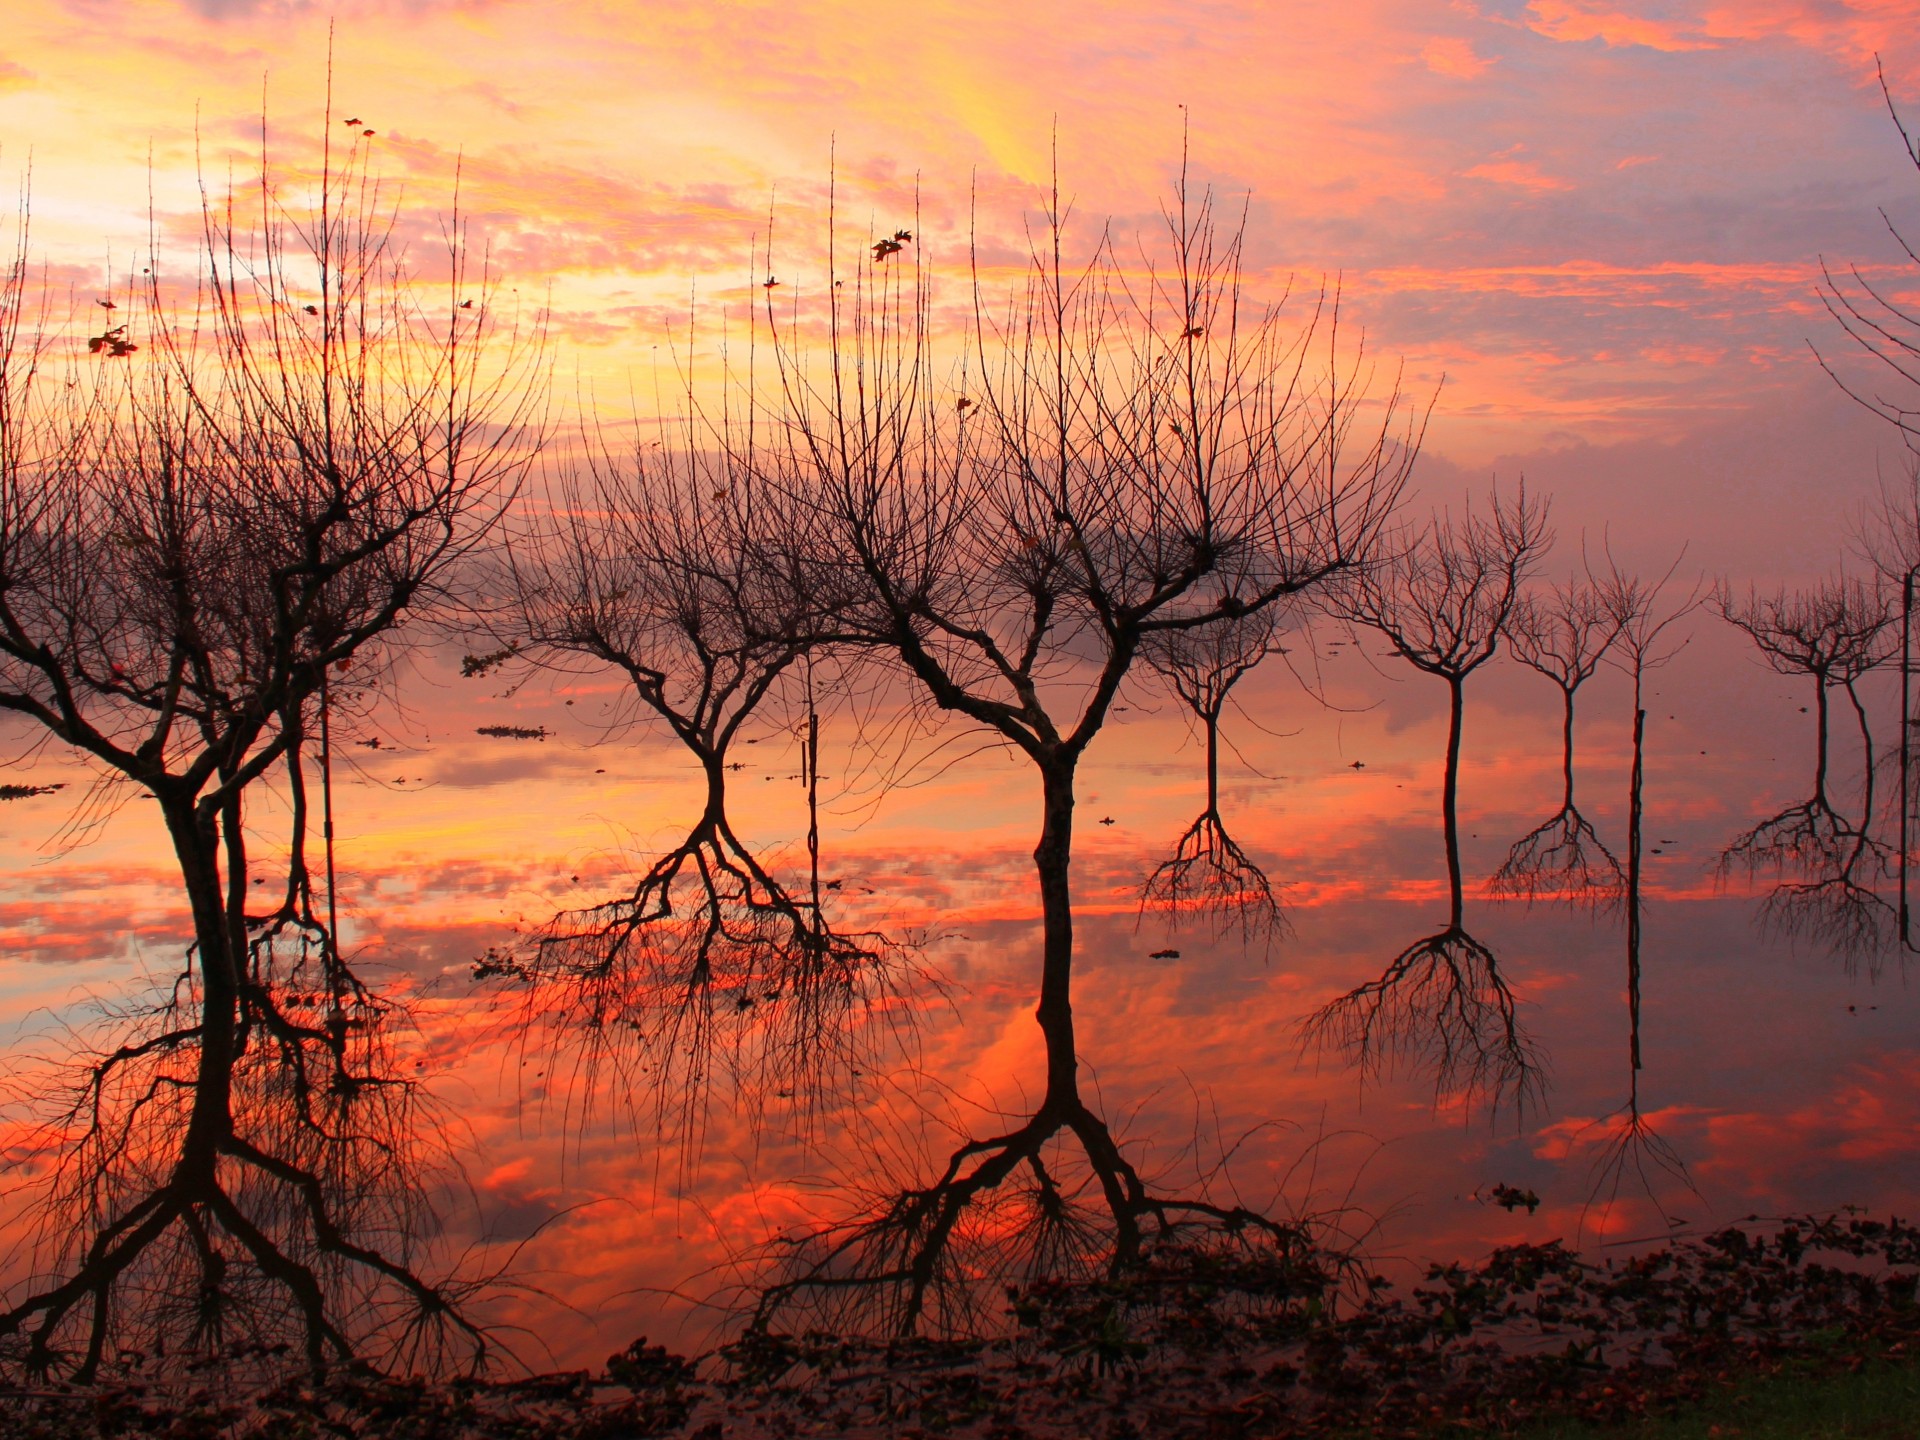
column 1878, row 1401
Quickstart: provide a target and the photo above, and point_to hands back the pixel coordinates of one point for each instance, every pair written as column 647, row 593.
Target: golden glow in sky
column 1595, row 228
column 1599, row 222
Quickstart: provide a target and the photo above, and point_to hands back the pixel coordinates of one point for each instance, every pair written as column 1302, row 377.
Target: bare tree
column 1443, row 600
column 253, row 495
column 1132, row 457
column 692, row 580
column 1881, row 328
column 1889, row 536
column 1643, row 640
column 1563, row 633
column 1887, row 333
column 1826, row 863
column 1208, row 874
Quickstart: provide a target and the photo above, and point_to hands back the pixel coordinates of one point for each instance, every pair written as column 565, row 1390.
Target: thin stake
column 1906, row 743
column 326, row 830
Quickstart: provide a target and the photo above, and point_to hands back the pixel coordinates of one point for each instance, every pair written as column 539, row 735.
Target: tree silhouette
column 1208, row 874
column 1563, row 634
column 692, row 580
column 1889, row 535
column 249, row 497
column 1441, row 1006
column 1885, row 331
column 1826, row 863
column 1880, row 326
column 1631, row 1150
column 1132, row 457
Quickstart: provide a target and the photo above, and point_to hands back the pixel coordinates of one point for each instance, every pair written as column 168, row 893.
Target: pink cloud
column 1853, row 31
column 1581, row 20
column 1451, row 55
column 1508, row 168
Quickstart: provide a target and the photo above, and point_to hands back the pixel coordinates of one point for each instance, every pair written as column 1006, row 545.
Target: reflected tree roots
column 199, row 1216
column 1563, row 859
column 1564, row 634
column 233, row 1174
column 1827, row 867
column 1440, row 1009
column 1632, row 1155
column 712, row 961
column 1208, row 875
column 1007, row 1212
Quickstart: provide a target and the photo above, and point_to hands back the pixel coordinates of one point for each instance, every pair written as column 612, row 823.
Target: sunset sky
column 1601, row 223
column 1595, row 229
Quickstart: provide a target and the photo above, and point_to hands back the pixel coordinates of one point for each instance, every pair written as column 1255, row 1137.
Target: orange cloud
column 1451, row 55
column 1579, row 20
column 1856, row 32
column 1508, row 168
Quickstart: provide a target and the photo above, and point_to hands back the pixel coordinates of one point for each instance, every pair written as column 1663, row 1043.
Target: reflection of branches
column 1563, row 858
column 1442, row 1005
column 1809, row 836
column 187, row 549
column 1208, row 874
column 1136, row 456
column 303, row 1215
column 1631, row 1154
column 1018, row 1209
column 1826, row 865
column 1630, row 1149
column 682, row 576
column 1564, row 636
column 1442, row 1009
column 708, row 957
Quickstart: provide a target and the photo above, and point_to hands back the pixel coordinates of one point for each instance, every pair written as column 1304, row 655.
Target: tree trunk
column 1633, row 882
column 196, row 843
column 1052, row 860
column 1450, row 798
column 1566, row 748
column 1820, row 740
column 1213, row 763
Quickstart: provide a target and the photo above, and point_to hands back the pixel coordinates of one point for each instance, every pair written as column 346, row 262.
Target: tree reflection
column 1117, row 470
column 1564, row 635
column 252, row 501
column 1442, row 1006
column 1827, row 865
column 1631, row 1151
column 1208, row 874
column 693, row 582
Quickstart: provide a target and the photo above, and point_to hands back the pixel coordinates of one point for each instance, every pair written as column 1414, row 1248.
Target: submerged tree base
column 1198, row 1341
column 1052, row 1201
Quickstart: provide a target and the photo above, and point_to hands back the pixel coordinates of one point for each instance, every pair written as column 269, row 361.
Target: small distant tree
column 1208, row 874
column 1834, row 634
column 1643, row 617
column 1563, row 633
column 242, row 500
column 1443, row 598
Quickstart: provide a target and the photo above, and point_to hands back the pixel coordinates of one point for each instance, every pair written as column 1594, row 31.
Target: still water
column 1778, row 1074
